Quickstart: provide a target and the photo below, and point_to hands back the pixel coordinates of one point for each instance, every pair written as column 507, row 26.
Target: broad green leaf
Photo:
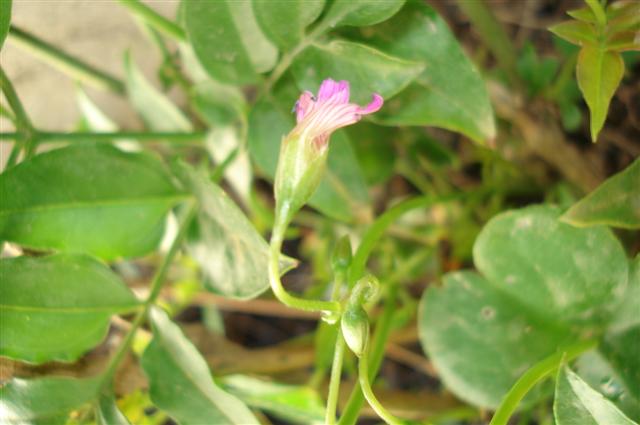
column 231, row 253
column 599, row 73
column 368, row 70
column 284, row 21
column 180, row 381
column 157, row 111
column 93, row 199
column 362, row 12
column 44, row 401
column 627, row 315
column 374, row 150
column 574, row 275
column 543, row 287
column 107, row 412
column 342, row 193
column 73, row 294
column 298, row 404
column 227, row 40
column 616, row 202
column 450, row 92
column 225, row 147
column 622, row 350
column 481, row 341
column 576, row 32
column 576, row 403
column 5, row 19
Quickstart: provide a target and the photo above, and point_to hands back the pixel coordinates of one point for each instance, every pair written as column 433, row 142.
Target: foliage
column 554, row 291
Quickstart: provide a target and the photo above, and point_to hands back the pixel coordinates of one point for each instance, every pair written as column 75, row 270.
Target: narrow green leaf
column 542, row 288
column 284, row 21
column 180, row 381
column 576, row 403
column 107, row 412
column 599, row 73
column 93, row 199
column 5, row 19
column 367, row 70
column 584, row 14
column 227, row 40
column 44, row 401
column 231, row 253
column 362, row 12
column 576, row 32
column 622, row 16
column 158, row 112
column 624, row 41
column 450, row 92
column 616, row 202
column 298, row 404
column 73, row 294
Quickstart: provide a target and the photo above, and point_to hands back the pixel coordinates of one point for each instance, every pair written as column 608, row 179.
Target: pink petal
column 327, row 89
column 303, row 105
column 375, row 105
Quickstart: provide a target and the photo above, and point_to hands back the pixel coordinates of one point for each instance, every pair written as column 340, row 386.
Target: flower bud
column 355, row 329
column 304, row 151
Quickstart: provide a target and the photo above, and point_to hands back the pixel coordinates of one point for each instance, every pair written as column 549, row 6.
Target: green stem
column 276, row 285
column 154, row 19
column 336, row 377
column 535, row 374
column 85, row 137
column 494, row 36
column 376, row 354
column 598, row 11
column 363, row 375
column 156, row 286
column 65, row 62
column 22, row 121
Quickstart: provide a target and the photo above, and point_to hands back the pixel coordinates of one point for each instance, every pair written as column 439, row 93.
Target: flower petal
column 304, row 105
column 373, row 106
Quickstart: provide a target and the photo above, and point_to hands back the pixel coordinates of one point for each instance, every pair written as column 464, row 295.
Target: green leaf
column 622, row 350
column 227, row 40
column 543, row 289
column 584, row 14
column 576, row 32
column 5, row 19
column 576, row 403
column 284, row 21
column 180, row 381
column 362, row 12
column 298, row 404
column 374, row 150
column 107, row 412
column 73, row 294
column 599, row 73
column 232, row 255
column 624, row 41
column 367, row 70
column 158, row 112
column 44, row 401
column 616, row 202
column 93, row 199
column 450, row 92
column 342, row 193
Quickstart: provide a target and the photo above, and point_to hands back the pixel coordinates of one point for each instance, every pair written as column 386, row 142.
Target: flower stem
column 22, row 121
column 154, row 19
column 363, row 375
column 535, row 374
column 65, row 62
column 336, row 377
column 156, row 286
column 276, row 285
column 83, row 137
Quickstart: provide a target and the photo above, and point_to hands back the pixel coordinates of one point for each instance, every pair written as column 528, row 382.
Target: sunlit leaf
column 93, row 199
column 284, row 21
column 73, row 294
column 180, row 380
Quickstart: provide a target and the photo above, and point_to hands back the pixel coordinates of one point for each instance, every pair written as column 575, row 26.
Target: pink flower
column 319, row 117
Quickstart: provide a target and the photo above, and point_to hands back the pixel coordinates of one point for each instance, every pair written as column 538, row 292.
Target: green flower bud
column 355, row 329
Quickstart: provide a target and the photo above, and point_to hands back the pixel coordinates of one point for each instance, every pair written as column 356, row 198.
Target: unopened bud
column 355, row 329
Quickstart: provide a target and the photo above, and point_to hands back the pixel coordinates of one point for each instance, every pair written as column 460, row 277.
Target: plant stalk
column 154, row 19
column 66, row 63
column 535, row 374
column 84, row 137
